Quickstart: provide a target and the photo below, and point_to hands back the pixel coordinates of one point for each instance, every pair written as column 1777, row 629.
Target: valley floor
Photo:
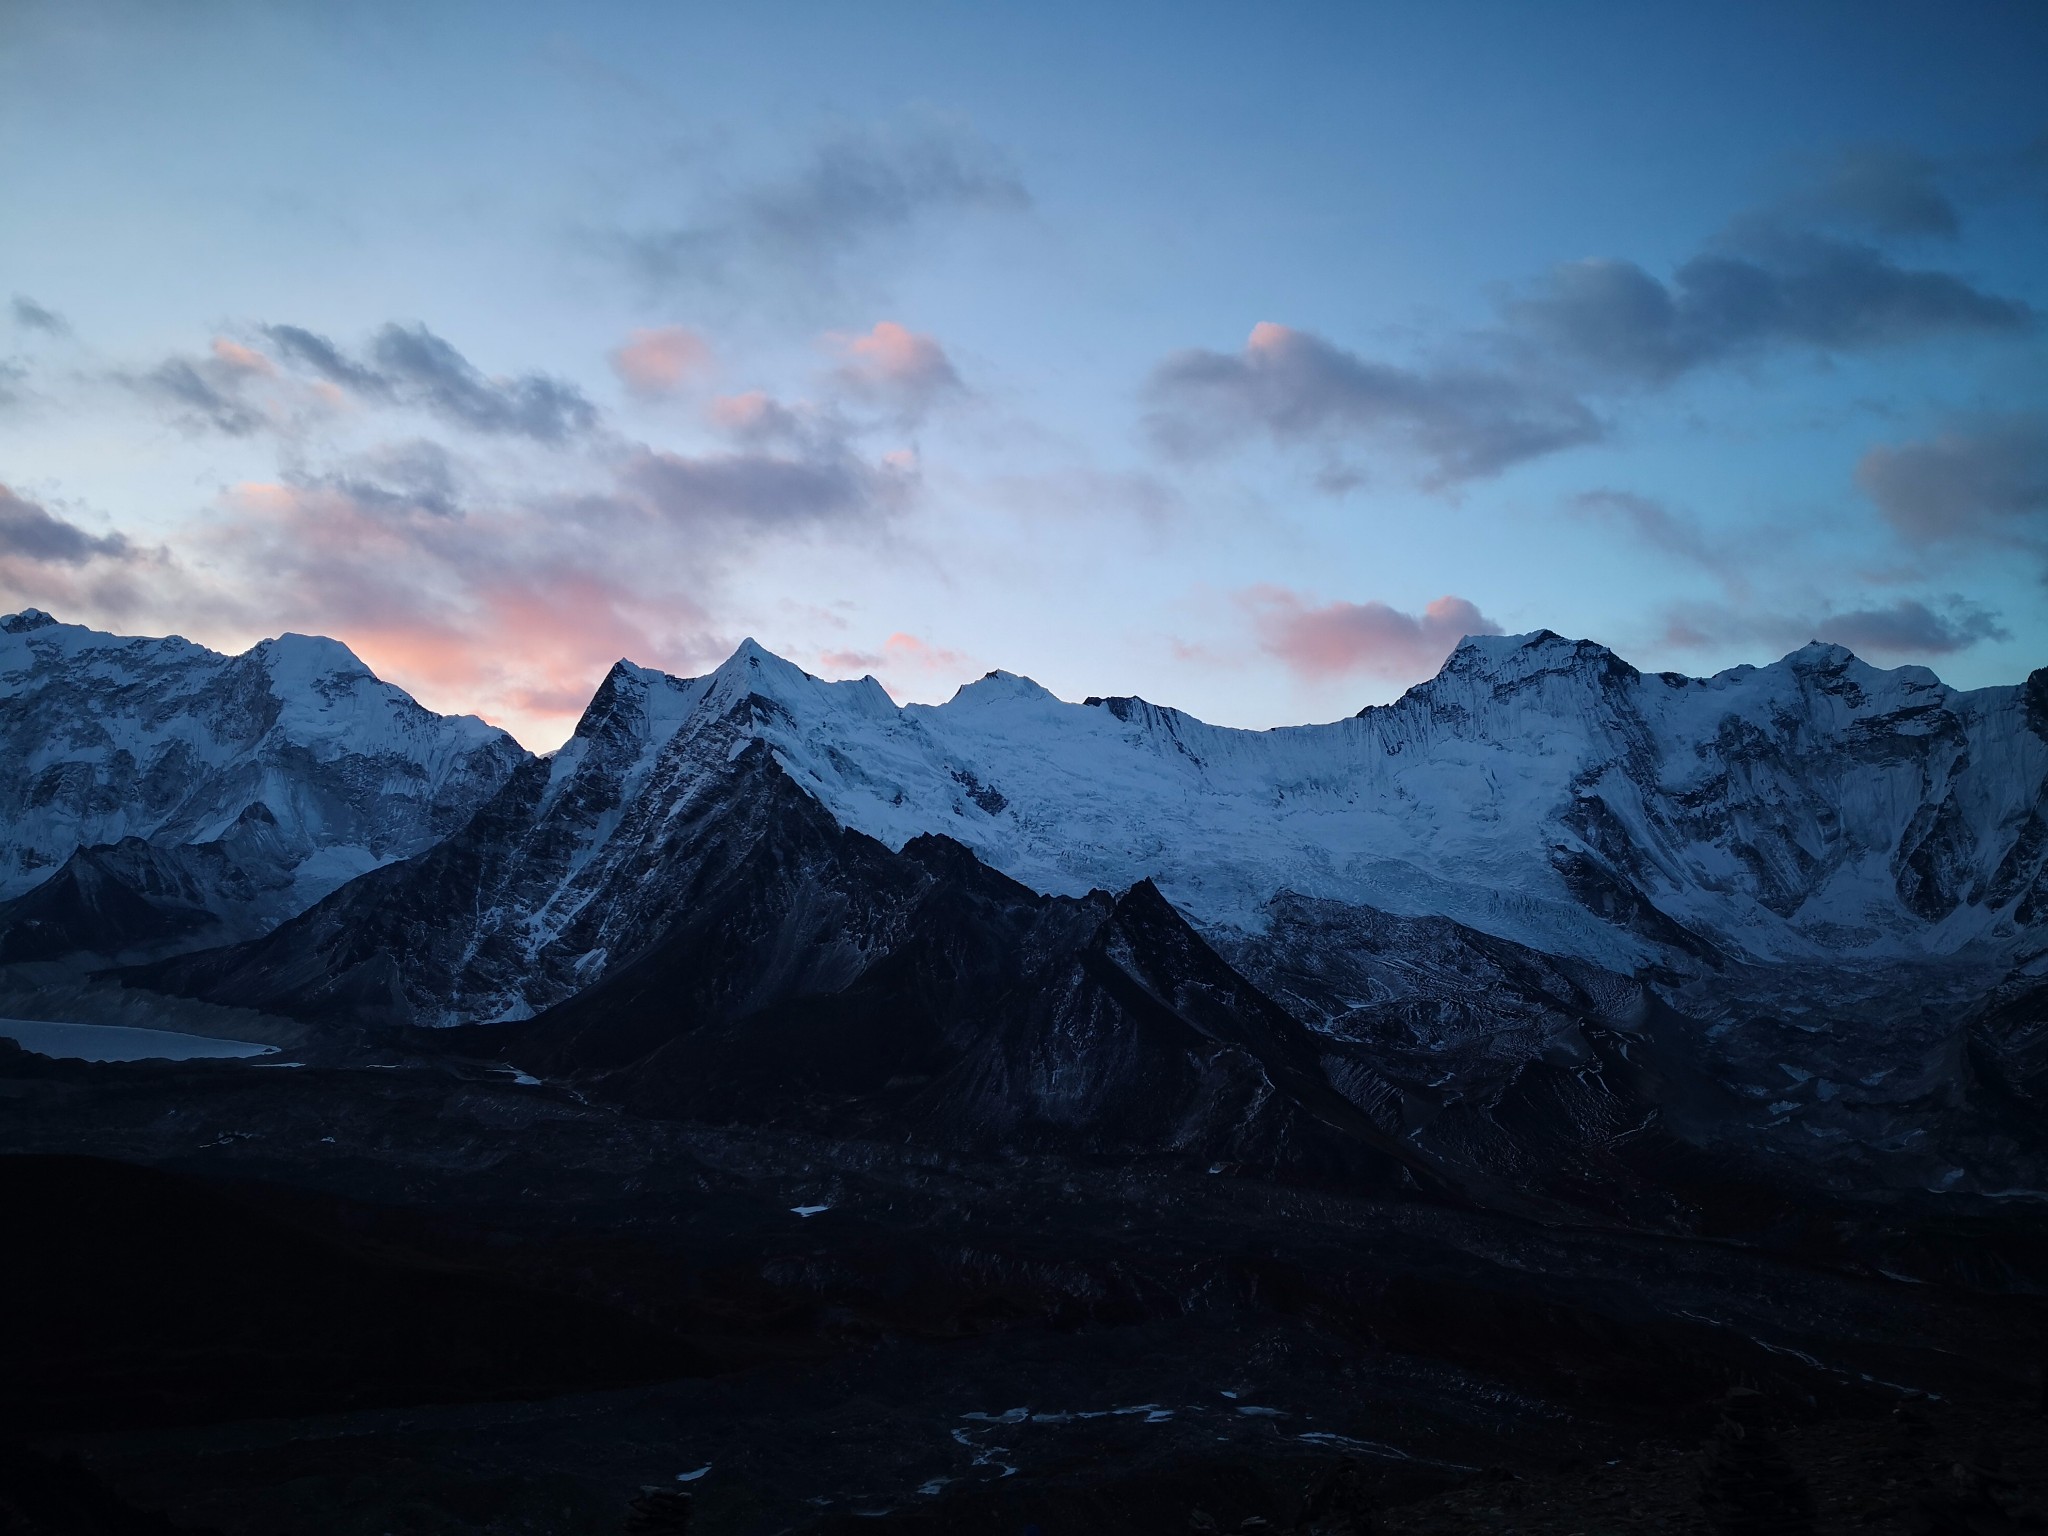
column 407, row 1294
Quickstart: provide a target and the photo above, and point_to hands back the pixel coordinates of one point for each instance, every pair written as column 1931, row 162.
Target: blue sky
column 1241, row 357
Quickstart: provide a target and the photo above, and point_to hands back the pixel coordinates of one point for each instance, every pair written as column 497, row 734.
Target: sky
column 1242, row 357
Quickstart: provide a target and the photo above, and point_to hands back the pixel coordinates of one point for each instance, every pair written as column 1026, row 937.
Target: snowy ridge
column 1534, row 788
column 1538, row 789
column 1541, row 791
column 106, row 737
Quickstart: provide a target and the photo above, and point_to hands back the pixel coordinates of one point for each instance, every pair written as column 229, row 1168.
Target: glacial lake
column 119, row 1042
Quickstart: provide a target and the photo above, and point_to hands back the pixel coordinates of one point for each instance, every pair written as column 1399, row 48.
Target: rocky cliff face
column 234, row 788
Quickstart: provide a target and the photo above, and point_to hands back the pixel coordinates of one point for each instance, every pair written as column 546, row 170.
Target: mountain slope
column 219, row 793
column 816, row 975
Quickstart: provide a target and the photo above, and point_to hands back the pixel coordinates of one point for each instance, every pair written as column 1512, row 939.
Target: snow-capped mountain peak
column 999, row 690
column 111, row 737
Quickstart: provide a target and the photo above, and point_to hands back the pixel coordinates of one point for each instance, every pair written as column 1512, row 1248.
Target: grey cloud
column 857, row 189
column 1882, row 188
column 1985, row 481
column 1652, row 521
column 30, row 531
column 203, row 394
column 326, row 359
column 794, row 468
column 1787, row 277
column 1296, row 387
column 31, row 316
column 533, row 405
column 1673, row 533
column 1908, row 628
column 1623, row 326
column 403, row 477
column 410, row 365
column 1905, row 630
column 760, row 491
column 759, row 419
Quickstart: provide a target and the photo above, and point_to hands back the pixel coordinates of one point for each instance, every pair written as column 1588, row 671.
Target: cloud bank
column 1809, row 275
column 1295, row 387
column 1983, row 484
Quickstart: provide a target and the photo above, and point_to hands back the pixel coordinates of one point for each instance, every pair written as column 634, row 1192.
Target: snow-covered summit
column 107, row 737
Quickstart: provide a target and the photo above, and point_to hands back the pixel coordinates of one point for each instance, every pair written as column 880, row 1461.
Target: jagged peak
column 290, row 657
column 754, row 669
column 25, row 621
column 1818, row 655
column 759, row 670
column 1543, row 650
column 1500, row 661
column 999, row 687
column 632, row 674
column 2034, row 700
column 631, row 692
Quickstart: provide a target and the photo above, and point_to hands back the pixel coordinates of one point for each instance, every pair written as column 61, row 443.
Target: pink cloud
column 660, row 361
column 1337, row 639
column 899, row 651
column 905, row 665
column 755, row 416
column 513, row 614
column 240, row 358
column 896, row 368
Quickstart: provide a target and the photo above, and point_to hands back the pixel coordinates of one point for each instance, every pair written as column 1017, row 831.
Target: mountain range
column 1018, row 1111
column 1544, row 911
column 1816, row 811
